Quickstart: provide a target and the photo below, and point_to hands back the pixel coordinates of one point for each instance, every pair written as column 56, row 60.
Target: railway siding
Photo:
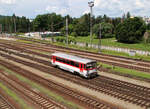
column 36, row 97
column 4, row 104
column 78, row 86
column 82, row 101
column 111, row 60
column 112, row 93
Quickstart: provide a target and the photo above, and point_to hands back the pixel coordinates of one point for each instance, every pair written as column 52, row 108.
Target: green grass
column 141, row 57
column 51, row 94
column 23, row 41
column 42, row 52
column 133, row 73
column 109, row 52
column 12, row 94
column 113, row 42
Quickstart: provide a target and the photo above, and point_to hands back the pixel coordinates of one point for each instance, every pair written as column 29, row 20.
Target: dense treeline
column 125, row 29
column 12, row 24
column 53, row 22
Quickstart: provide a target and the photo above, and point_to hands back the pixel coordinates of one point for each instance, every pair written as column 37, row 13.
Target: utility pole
column 100, row 36
column 52, row 25
column 67, row 30
column 14, row 23
column 91, row 4
column 1, row 29
column 29, row 27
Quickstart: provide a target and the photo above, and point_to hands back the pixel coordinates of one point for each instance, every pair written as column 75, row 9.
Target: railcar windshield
column 91, row 65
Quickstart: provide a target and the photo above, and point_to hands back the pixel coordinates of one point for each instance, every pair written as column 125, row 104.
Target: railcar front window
column 91, row 65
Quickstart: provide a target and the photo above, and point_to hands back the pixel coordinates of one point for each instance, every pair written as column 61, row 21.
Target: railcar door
column 54, row 59
column 81, row 67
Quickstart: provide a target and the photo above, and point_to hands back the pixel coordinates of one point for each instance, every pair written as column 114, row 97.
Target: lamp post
column 100, row 36
column 91, row 5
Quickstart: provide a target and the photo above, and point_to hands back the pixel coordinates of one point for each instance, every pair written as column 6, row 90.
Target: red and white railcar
column 85, row 67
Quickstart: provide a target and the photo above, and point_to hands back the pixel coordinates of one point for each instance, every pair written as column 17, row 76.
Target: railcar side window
column 85, row 66
column 77, row 64
column 81, row 66
column 72, row 63
column 63, row 60
column 57, row 59
column 91, row 65
column 68, row 62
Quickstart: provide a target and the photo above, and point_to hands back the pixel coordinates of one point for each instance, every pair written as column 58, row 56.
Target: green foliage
column 106, row 29
column 70, row 29
column 148, row 26
column 63, row 39
column 82, row 26
column 125, row 71
column 148, row 39
column 128, row 15
column 47, row 22
column 131, row 30
column 22, row 24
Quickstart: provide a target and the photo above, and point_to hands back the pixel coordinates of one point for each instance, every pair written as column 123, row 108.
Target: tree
column 106, row 29
column 70, row 29
column 148, row 26
column 128, row 15
column 51, row 22
column 131, row 30
column 11, row 22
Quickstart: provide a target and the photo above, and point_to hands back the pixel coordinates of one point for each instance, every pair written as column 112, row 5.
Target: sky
column 75, row 8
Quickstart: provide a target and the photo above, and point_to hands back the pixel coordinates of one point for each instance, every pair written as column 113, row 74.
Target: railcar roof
column 73, row 58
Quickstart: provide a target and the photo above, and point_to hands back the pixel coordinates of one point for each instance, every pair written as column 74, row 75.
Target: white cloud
column 139, row 3
column 9, row 2
column 75, row 8
column 97, row 3
column 58, row 10
column 86, row 12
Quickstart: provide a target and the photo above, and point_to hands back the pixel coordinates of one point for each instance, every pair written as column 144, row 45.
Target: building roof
column 73, row 58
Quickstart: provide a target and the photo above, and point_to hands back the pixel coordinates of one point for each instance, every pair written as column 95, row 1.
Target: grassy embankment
column 142, row 57
column 112, row 42
column 40, row 88
column 127, row 72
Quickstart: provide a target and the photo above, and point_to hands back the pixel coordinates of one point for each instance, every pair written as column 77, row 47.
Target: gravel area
column 7, row 38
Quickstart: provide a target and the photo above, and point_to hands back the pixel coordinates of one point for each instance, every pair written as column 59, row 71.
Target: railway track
column 85, row 100
column 39, row 99
column 122, row 59
column 122, row 90
column 4, row 104
column 116, row 61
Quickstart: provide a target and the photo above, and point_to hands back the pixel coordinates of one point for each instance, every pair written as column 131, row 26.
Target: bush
column 131, row 30
column 60, row 39
column 74, row 34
